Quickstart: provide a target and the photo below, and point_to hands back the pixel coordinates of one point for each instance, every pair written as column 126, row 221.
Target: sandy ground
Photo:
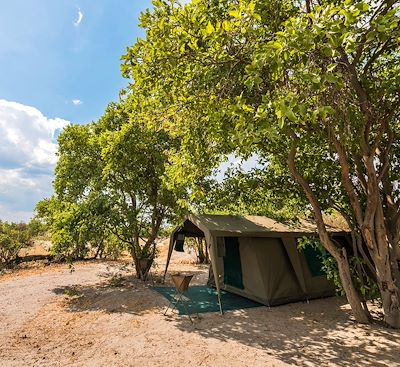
column 99, row 315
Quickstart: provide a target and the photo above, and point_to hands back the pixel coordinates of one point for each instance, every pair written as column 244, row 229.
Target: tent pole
column 221, row 312
column 216, row 270
column 171, row 247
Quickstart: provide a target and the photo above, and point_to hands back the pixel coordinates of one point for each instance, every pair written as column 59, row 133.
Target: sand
column 100, row 315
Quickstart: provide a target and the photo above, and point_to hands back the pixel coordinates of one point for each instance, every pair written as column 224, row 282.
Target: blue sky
column 59, row 64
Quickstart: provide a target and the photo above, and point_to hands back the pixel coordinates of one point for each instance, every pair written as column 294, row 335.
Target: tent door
column 232, row 265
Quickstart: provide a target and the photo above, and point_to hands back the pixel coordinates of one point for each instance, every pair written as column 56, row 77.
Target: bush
column 364, row 283
column 13, row 238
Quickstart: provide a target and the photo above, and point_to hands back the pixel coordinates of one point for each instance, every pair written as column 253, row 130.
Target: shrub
column 13, row 237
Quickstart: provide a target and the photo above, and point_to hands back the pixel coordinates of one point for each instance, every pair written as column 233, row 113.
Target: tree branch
column 323, row 233
column 360, row 48
column 346, row 180
column 377, row 53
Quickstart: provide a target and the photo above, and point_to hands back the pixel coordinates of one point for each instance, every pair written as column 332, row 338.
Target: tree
column 109, row 181
column 78, row 228
column 134, row 158
column 13, row 238
column 331, row 89
column 312, row 87
column 262, row 191
column 77, row 213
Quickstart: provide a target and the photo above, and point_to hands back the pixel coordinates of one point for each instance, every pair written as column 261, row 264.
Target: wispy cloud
column 80, row 17
column 77, row 102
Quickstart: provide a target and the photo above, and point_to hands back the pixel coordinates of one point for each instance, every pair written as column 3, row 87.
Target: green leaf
column 226, row 25
column 234, row 13
column 257, row 17
column 331, row 67
column 316, row 79
column 362, row 6
column 210, row 28
column 276, row 45
column 331, row 78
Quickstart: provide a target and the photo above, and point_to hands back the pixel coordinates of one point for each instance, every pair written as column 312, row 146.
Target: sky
column 59, row 64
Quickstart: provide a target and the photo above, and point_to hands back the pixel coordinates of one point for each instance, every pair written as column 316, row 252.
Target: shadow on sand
column 115, row 294
column 320, row 333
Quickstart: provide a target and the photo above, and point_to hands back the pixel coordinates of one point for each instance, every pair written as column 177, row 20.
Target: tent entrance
column 233, row 275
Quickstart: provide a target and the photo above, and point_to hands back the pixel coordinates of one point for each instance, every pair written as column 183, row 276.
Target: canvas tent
column 258, row 258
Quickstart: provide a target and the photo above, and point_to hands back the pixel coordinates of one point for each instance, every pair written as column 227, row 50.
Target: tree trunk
column 390, row 301
column 339, row 255
column 135, row 256
column 359, row 268
column 377, row 239
column 99, row 251
column 142, row 259
column 144, row 267
column 389, row 291
column 395, row 257
column 202, row 256
column 360, row 314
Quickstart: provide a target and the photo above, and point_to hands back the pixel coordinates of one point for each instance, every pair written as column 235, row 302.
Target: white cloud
column 80, row 17
column 27, row 158
column 77, row 102
column 27, row 138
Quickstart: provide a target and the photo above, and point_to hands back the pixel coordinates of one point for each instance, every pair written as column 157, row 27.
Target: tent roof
column 235, row 225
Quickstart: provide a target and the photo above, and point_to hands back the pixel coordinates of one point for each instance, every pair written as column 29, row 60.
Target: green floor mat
column 205, row 300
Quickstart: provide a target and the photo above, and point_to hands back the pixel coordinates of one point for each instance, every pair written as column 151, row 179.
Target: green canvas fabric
column 233, row 275
column 294, row 255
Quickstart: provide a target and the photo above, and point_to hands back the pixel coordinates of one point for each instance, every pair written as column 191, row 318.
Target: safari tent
column 258, row 258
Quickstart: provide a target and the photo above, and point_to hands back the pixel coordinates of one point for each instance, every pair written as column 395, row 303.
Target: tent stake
column 220, row 304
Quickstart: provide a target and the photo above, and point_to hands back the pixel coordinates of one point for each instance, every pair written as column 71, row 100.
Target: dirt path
column 100, row 315
column 93, row 318
column 23, row 297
